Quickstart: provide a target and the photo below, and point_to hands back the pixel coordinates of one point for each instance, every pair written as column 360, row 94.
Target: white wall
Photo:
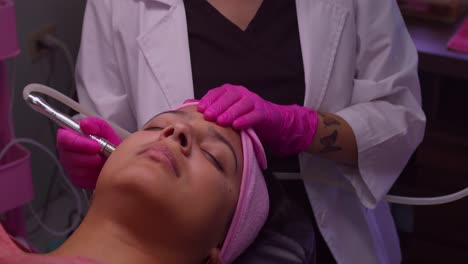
column 31, row 15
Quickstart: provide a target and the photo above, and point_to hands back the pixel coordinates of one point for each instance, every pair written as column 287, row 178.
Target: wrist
column 306, row 121
column 296, row 130
column 334, row 139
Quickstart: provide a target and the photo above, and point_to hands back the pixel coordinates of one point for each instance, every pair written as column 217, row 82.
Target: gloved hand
column 81, row 155
column 285, row 130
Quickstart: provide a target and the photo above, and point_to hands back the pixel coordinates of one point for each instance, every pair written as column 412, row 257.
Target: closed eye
column 156, row 128
column 214, row 161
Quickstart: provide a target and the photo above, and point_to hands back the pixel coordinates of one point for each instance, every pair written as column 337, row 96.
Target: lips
column 162, row 154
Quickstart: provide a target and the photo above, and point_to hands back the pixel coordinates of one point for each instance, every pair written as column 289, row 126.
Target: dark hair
column 283, row 210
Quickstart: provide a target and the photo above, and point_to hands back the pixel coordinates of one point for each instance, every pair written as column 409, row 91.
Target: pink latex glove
column 81, row 155
column 285, row 130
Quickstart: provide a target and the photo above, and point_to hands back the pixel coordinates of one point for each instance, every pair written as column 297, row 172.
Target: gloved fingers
column 87, row 182
column 85, row 177
column 82, row 169
column 218, row 107
column 240, row 108
column 82, row 162
column 68, row 140
column 100, row 128
column 248, row 120
column 210, row 97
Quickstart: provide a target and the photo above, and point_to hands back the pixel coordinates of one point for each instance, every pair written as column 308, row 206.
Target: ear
column 214, row 257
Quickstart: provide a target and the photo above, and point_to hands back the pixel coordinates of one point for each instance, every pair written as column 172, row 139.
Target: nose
column 181, row 134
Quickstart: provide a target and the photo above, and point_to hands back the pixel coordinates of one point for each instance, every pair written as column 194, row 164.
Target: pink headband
column 253, row 203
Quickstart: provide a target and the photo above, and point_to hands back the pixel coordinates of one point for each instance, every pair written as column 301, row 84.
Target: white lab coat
column 359, row 63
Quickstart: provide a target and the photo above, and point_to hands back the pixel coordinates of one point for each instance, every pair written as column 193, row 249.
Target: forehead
column 197, row 116
column 190, row 114
column 193, row 113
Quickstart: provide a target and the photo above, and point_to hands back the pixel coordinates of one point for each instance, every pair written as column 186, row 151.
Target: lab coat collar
column 165, row 47
column 166, row 2
column 320, row 27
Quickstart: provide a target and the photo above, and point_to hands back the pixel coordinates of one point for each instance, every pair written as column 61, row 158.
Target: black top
column 266, row 58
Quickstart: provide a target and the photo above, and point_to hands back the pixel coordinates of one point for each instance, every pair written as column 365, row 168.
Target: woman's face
column 179, row 172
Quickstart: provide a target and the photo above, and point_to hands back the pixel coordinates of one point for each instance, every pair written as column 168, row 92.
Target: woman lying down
column 180, row 190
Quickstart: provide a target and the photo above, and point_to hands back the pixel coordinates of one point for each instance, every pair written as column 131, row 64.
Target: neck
column 107, row 241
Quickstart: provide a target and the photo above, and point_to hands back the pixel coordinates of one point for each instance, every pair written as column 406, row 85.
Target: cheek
column 211, row 182
column 113, row 165
column 221, row 194
column 210, row 197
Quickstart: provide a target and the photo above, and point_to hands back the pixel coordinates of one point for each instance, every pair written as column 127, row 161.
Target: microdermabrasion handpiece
column 41, row 106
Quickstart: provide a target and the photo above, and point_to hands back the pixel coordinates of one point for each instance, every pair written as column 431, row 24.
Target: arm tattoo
column 329, row 141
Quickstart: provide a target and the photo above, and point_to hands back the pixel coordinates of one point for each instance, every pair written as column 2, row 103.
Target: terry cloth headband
column 253, row 202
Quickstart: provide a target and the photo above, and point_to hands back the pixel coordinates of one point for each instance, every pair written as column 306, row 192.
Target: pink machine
column 15, row 172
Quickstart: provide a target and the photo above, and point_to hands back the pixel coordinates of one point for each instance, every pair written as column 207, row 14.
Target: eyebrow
column 212, row 132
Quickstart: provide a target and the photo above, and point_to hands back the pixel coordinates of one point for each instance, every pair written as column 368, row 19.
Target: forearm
column 334, row 139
